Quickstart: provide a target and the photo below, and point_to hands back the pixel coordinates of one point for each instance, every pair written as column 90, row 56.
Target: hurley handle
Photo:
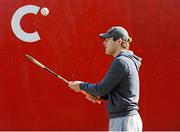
column 98, row 101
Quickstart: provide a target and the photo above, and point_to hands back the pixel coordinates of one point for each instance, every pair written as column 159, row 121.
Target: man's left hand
column 75, row 85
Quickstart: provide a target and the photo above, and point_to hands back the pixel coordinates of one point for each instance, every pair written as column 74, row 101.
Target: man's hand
column 91, row 98
column 75, row 85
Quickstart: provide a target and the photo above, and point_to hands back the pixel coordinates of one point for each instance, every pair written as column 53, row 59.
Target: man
column 120, row 86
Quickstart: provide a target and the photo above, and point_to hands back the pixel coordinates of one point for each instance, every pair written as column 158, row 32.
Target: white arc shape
column 16, row 27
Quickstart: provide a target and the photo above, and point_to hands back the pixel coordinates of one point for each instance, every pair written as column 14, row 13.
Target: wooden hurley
column 58, row 76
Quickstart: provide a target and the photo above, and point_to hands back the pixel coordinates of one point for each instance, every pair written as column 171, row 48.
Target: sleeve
column 115, row 74
column 104, row 97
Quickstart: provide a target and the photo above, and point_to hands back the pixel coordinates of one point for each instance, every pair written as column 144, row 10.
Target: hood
column 137, row 60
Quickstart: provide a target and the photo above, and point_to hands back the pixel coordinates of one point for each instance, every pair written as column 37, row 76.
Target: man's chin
column 107, row 53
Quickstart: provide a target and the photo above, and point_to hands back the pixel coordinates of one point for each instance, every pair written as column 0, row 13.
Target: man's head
column 115, row 40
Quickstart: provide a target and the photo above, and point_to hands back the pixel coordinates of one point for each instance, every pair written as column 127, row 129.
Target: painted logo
column 16, row 27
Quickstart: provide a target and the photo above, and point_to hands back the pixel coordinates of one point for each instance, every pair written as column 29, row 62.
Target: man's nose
column 104, row 43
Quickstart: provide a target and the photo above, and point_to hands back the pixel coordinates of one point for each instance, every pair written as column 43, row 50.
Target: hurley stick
column 58, row 76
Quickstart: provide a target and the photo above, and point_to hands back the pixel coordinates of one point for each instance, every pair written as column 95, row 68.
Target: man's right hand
column 91, row 98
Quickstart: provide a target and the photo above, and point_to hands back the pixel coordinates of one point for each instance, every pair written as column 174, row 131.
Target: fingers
column 70, row 84
column 74, row 85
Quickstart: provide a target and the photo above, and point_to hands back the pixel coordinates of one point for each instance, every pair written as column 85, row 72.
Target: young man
column 120, row 86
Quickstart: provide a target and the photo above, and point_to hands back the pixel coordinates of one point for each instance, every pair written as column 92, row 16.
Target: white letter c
column 16, row 27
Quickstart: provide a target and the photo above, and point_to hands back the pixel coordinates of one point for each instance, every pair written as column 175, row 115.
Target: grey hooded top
column 120, row 85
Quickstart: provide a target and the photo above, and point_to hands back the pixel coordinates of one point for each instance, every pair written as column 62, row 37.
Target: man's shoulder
column 120, row 62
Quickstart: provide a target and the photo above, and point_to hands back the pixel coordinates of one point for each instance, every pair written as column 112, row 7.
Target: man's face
column 110, row 46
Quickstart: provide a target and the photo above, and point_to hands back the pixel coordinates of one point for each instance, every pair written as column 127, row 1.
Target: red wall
column 32, row 99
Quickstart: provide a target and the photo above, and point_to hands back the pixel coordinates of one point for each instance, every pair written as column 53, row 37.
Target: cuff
column 82, row 86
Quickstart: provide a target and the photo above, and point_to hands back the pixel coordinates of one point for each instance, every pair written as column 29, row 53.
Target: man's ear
column 124, row 45
column 121, row 43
